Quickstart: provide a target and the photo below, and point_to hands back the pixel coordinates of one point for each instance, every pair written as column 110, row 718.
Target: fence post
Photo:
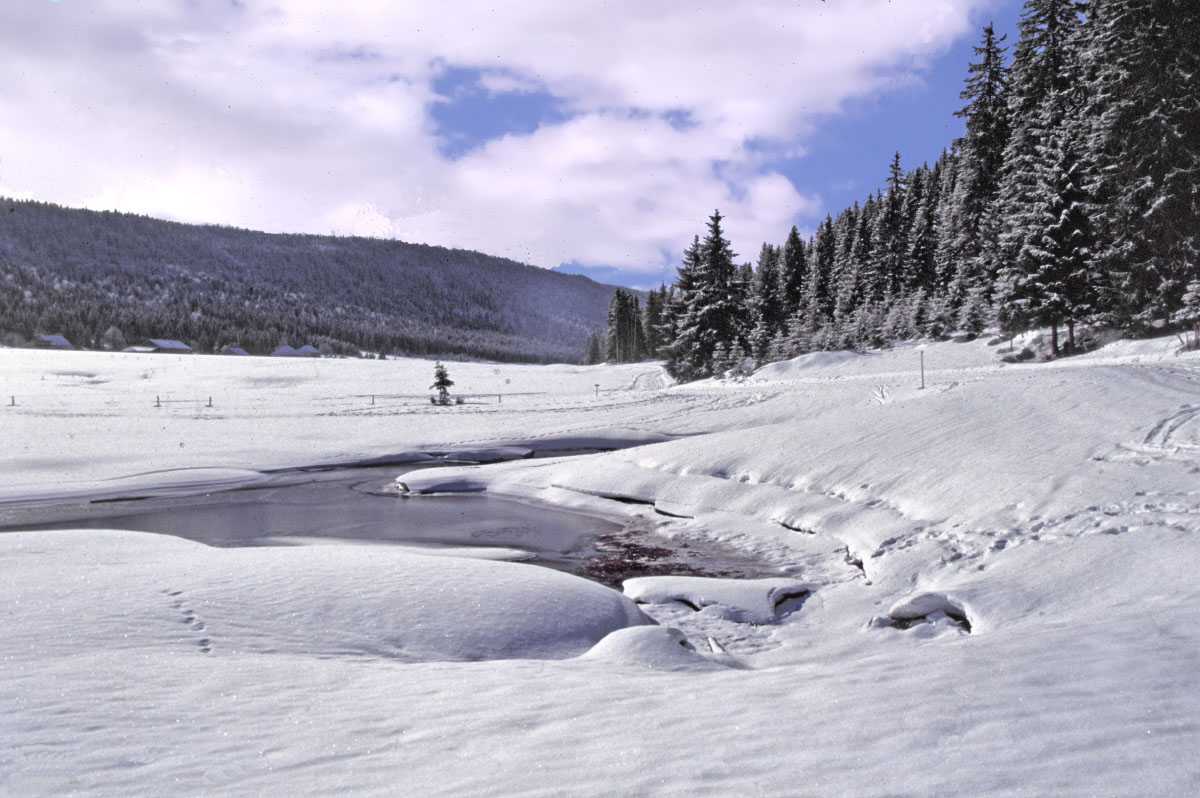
column 157, row 403
column 210, row 401
column 372, row 399
column 14, row 401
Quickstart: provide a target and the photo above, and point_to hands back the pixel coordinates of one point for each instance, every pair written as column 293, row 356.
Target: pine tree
column 890, row 239
column 1039, row 95
column 442, row 384
column 980, row 156
column 793, row 272
column 1144, row 150
column 766, row 293
column 817, row 300
column 624, row 337
column 593, row 353
column 652, row 322
column 712, row 307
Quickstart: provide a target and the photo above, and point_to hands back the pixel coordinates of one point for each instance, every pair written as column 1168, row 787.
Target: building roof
column 284, row 351
column 169, row 343
column 234, row 350
column 55, row 340
column 308, row 349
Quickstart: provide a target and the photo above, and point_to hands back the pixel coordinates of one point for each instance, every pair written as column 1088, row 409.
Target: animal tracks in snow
column 188, row 617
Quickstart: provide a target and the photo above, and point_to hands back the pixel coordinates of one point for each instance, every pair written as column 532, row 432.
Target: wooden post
column 499, row 399
column 14, row 401
column 210, row 401
column 157, row 403
column 372, row 399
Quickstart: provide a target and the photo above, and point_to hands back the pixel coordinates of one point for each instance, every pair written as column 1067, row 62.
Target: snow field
column 1054, row 507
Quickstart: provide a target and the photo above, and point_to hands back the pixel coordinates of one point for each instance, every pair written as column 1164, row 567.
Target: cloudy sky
column 591, row 136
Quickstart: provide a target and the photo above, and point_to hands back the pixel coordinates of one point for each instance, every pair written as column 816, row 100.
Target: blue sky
column 595, row 137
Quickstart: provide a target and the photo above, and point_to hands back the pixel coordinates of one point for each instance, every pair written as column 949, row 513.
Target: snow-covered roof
column 284, row 351
column 169, row 343
column 234, row 350
column 55, row 340
column 308, row 349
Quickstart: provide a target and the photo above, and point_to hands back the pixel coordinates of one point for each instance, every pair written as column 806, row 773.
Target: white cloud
column 308, row 117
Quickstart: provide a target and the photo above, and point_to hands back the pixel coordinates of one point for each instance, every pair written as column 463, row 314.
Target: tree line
column 1071, row 198
column 104, row 278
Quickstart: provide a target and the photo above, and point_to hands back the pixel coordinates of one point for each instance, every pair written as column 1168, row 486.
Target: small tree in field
column 441, row 383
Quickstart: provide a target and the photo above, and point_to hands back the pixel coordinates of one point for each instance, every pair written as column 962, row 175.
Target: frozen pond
column 362, row 505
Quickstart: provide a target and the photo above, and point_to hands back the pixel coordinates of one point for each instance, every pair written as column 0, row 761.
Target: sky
column 596, row 138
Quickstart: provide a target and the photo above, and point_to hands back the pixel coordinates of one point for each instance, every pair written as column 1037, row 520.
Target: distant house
column 167, row 345
column 284, row 351
column 51, row 342
column 233, row 350
column 308, row 350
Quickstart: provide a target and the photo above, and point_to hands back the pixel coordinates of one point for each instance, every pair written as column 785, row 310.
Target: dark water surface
column 362, row 504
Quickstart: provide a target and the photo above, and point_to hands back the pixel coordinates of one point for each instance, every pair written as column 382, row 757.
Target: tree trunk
column 1054, row 340
column 1071, row 336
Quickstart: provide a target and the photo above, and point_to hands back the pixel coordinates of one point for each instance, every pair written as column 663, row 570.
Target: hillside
column 81, row 272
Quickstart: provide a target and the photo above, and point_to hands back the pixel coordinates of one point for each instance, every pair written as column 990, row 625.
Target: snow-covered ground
column 990, row 582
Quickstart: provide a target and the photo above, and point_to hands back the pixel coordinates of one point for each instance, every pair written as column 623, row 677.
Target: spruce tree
column 890, row 240
column 793, row 272
column 980, row 156
column 1039, row 98
column 442, row 384
column 1144, row 151
column 712, row 309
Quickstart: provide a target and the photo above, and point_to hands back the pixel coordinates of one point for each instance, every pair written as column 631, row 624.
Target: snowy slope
column 1000, row 574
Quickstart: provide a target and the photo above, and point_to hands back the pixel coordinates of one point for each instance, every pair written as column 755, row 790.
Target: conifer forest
column 1069, row 200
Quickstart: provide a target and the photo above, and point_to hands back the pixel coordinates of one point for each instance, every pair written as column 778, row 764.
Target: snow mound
column 815, row 360
column 656, row 647
column 148, row 590
column 935, row 609
column 756, row 601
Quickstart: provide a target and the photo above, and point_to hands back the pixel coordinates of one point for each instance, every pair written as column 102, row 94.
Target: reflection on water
column 362, row 505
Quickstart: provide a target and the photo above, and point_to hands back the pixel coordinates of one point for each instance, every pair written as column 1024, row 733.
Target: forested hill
column 82, row 273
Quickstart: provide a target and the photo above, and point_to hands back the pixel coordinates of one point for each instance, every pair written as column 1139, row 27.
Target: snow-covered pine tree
column 890, row 240
column 845, row 287
column 624, row 338
column 1039, row 94
column 766, row 293
column 817, row 301
column 793, row 272
column 1066, row 275
column 652, row 322
column 1144, row 150
column 920, row 213
column 980, row 155
column 712, row 308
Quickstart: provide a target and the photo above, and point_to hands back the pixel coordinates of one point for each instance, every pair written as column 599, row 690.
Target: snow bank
column 655, row 647
column 100, row 588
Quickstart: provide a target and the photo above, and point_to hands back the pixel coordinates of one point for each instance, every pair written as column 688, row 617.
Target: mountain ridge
column 81, row 272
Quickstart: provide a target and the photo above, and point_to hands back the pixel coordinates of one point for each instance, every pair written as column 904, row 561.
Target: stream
column 362, row 504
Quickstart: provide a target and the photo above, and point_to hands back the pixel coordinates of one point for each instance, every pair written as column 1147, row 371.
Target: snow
column 741, row 600
column 1001, row 574
column 154, row 591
